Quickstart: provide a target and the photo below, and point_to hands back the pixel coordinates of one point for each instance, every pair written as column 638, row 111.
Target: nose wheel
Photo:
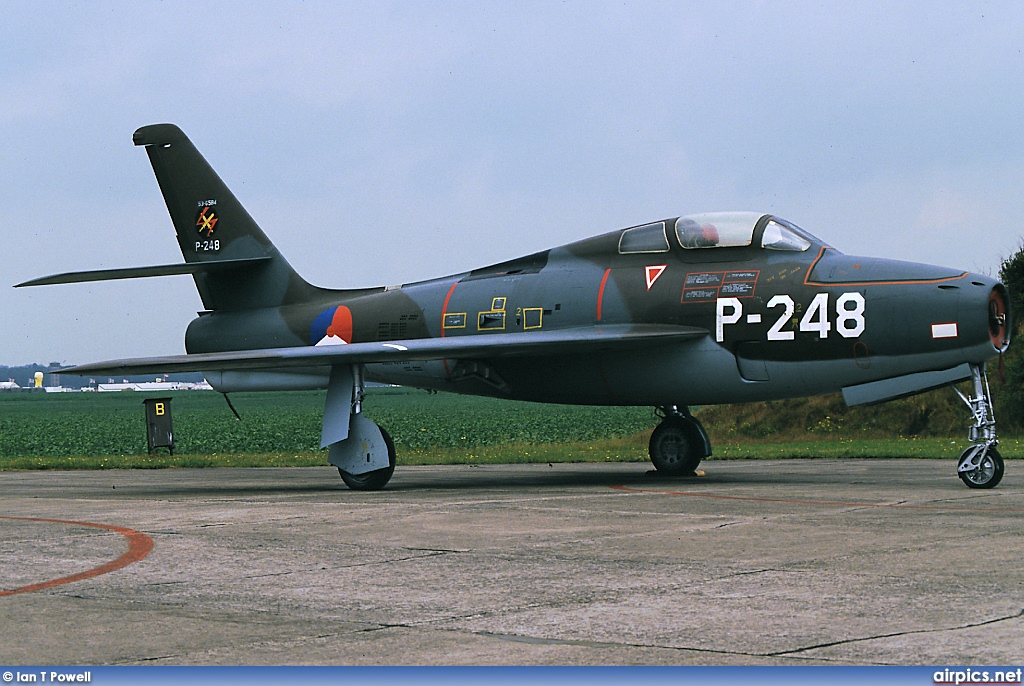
column 981, row 465
column 678, row 443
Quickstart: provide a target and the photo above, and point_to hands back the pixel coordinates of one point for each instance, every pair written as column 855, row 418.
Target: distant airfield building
column 154, row 386
column 35, row 384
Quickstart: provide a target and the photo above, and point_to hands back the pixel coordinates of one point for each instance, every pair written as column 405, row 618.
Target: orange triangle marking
column 653, row 272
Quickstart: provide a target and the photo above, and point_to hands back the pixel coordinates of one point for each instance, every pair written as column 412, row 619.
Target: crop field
column 107, row 430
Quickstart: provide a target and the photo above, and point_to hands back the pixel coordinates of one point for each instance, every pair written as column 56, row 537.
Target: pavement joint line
column 895, row 634
column 164, row 583
column 429, row 553
column 759, row 571
column 270, row 574
column 792, row 654
column 383, row 627
column 782, row 653
column 391, row 561
column 823, row 503
column 517, row 638
column 281, row 643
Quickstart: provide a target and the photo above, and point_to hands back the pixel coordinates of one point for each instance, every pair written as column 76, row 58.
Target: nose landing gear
column 678, row 443
column 981, row 465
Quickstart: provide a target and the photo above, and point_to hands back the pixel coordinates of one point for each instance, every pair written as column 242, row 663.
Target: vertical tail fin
column 213, row 226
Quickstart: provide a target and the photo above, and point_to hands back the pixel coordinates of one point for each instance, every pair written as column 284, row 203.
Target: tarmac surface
column 757, row 563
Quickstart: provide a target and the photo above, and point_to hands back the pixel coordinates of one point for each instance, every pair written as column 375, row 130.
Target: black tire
column 989, row 472
column 676, row 446
column 375, row 480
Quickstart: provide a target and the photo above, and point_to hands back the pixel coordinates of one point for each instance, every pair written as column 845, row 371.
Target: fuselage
column 785, row 316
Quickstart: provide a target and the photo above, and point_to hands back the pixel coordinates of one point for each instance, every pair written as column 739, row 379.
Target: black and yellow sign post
column 159, row 431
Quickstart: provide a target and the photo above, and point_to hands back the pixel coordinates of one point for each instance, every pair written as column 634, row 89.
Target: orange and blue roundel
column 332, row 327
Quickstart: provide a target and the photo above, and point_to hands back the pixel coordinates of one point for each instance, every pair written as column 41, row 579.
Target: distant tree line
column 1009, row 391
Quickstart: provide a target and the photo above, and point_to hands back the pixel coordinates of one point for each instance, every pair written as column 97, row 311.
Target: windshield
column 647, row 238
column 779, row 237
column 780, row 234
column 716, row 229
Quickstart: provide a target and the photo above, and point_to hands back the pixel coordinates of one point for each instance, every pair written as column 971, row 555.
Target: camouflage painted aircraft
column 695, row 310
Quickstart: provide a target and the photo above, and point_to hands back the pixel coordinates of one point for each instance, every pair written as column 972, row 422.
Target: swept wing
column 585, row 340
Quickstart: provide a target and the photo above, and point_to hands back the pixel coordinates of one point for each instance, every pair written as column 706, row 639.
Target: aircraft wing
column 574, row 341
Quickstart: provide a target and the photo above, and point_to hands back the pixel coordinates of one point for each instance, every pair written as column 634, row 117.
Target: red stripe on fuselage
column 444, row 308
column 600, row 292
column 444, row 311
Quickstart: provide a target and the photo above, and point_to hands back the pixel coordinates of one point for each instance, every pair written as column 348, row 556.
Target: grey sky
column 381, row 143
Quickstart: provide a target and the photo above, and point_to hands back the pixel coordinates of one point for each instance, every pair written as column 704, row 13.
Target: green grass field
column 93, row 430
column 107, row 431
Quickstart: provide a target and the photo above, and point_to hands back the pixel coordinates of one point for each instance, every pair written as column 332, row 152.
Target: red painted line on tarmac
column 139, row 546
column 600, row 292
column 825, row 503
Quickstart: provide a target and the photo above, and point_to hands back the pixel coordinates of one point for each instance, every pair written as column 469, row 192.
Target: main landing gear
column 362, row 451
column 678, row 443
column 378, row 478
column 981, row 465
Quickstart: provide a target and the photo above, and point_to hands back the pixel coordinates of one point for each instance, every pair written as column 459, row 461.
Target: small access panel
column 159, row 429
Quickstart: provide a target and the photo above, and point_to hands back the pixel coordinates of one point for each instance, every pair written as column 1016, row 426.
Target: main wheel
column 989, row 471
column 375, row 480
column 676, row 446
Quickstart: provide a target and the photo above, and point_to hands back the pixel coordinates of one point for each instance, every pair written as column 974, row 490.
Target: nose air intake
column 999, row 318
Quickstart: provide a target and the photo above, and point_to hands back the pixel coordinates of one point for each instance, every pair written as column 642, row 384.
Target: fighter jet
column 700, row 309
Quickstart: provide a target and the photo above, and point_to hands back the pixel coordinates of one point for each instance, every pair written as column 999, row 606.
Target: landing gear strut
column 981, row 465
column 678, row 443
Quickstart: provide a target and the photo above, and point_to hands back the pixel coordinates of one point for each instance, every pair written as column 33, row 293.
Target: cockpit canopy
column 716, row 230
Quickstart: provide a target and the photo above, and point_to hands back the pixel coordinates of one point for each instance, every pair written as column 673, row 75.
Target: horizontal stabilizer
column 902, row 386
column 144, row 272
column 577, row 341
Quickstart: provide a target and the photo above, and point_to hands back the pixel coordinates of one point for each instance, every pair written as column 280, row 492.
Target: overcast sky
column 381, row 143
